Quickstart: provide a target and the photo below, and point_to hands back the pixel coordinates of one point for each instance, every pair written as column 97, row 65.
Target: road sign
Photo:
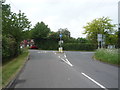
column 60, row 35
column 99, row 37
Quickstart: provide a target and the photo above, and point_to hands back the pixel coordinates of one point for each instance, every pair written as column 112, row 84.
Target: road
column 49, row 69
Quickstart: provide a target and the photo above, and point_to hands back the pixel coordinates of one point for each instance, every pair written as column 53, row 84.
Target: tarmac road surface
column 71, row 69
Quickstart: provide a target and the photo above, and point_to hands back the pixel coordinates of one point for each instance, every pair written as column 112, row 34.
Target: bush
column 47, row 44
column 9, row 48
column 79, row 46
column 108, row 55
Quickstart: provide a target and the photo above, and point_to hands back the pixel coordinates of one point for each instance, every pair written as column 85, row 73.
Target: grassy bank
column 10, row 69
column 108, row 56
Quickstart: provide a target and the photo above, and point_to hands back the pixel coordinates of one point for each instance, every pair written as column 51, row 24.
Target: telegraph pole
column 119, row 24
column 1, row 1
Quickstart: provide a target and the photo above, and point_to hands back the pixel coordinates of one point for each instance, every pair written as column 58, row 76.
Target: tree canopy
column 99, row 26
column 40, row 30
column 13, row 26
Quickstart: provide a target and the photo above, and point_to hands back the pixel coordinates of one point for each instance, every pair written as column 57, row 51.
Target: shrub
column 108, row 55
column 9, row 48
column 79, row 46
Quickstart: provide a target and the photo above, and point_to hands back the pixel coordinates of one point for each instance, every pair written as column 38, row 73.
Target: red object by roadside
column 33, row 47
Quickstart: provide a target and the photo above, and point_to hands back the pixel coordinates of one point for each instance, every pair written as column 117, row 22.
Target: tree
column 65, row 32
column 40, row 34
column 40, row 30
column 82, row 40
column 99, row 26
column 13, row 26
column 53, row 35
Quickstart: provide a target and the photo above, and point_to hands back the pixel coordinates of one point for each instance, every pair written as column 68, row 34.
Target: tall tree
column 65, row 32
column 99, row 26
column 13, row 26
column 40, row 30
column 40, row 34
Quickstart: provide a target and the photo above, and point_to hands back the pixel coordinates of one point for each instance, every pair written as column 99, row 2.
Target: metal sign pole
column 60, row 42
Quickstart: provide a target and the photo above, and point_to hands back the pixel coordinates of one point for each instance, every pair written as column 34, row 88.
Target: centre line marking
column 94, row 81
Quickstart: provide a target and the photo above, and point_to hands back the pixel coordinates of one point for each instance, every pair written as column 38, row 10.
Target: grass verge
column 10, row 69
column 108, row 56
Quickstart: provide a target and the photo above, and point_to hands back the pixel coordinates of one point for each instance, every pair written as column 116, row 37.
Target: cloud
column 71, row 14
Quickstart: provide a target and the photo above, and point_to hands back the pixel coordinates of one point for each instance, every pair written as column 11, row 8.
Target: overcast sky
column 71, row 14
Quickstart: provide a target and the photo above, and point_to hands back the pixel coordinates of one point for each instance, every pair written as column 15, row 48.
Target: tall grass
column 108, row 55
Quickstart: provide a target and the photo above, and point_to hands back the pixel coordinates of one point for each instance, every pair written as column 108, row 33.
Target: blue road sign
column 60, row 35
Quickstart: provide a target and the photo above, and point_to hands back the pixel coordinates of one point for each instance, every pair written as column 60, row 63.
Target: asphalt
column 103, row 73
column 49, row 69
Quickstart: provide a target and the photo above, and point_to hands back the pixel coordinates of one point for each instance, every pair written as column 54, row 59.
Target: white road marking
column 94, row 81
column 62, row 59
column 42, row 52
column 55, row 53
column 64, row 55
column 67, row 62
column 58, row 56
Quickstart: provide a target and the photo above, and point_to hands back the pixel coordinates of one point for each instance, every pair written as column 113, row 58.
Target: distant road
column 48, row 69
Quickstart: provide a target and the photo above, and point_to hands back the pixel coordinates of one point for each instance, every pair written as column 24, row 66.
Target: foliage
column 40, row 30
column 108, row 55
column 99, row 26
column 8, row 47
column 83, row 40
column 65, row 32
column 46, row 39
column 53, row 35
column 79, row 46
column 13, row 26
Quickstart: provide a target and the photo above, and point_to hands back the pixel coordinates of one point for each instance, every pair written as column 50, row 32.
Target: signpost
column 101, row 40
column 60, row 43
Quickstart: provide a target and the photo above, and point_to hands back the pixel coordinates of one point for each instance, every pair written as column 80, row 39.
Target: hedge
column 79, row 46
column 10, row 48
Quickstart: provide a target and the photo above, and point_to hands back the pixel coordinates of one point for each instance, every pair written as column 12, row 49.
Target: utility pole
column 1, row 1
column 119, row 24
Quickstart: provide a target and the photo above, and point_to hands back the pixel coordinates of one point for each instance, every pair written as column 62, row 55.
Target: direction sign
column 99, row 37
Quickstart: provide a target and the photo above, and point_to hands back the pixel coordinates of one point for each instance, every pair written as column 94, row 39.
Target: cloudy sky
column 71, row 14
